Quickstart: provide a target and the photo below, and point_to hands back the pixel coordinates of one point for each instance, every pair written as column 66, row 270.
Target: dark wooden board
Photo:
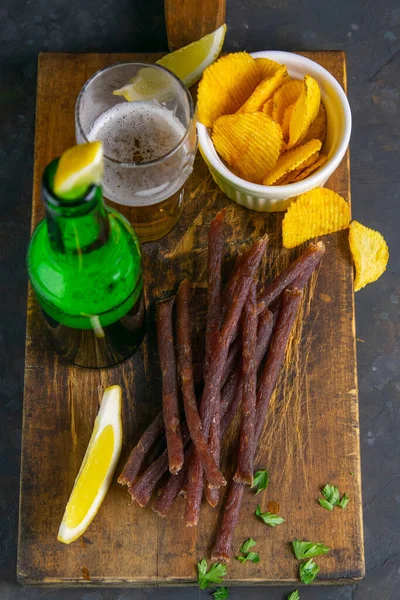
column 312, row 431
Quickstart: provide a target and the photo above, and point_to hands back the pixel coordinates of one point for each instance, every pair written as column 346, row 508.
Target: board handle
column 188, row 20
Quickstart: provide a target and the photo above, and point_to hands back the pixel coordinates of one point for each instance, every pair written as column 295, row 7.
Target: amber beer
column 149, row 148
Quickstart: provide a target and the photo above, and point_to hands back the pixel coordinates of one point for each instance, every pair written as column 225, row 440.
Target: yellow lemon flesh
column 97, row 469
column 188, row 63
column 79, row 167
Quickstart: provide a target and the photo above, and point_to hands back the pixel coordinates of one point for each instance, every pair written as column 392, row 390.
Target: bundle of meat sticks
column 248, row 326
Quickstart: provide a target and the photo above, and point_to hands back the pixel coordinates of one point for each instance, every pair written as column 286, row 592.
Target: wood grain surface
column 189, row 20
column 312, row 431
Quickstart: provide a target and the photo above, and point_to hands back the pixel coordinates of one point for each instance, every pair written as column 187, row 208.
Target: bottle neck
column 74, row 226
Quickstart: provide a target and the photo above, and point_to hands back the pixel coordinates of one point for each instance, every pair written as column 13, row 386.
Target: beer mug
column 149, row 141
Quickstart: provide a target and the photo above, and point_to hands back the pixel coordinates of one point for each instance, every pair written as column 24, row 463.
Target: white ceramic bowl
column 275, row 198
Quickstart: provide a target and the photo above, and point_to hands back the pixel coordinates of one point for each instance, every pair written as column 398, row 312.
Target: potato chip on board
column 370, row 254
column 225, row 86
column 267, row 108
column 287, row 115
column 317, row 212
column 266, row 67
column 264, row 91
column 287, row 94
column 308, row 170
column 305, row 110
column 249, row 142
column 291, row 160
column 317, row 129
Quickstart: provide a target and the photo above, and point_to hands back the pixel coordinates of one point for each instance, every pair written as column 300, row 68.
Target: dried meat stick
column 142, row 489
column 290, row 304
column 234, row 385
column 214, row 443
column 229, row 289
column 213, row 322
column 300, row 270
column 172, row 488
column 138, row 454
column 220, row 353
column 234, row 354
column 199, row 439
column 247, row 270
column 244, row 469
column 291, row 300
column 233, row 502
column 166, row 351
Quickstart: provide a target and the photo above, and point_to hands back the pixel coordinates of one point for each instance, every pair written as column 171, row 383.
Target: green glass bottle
column 84, row 263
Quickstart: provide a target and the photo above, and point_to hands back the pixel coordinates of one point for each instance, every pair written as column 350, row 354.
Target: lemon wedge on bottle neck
column 97, row 469
column 79, row 167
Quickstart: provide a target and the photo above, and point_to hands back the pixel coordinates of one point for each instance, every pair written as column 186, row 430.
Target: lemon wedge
column 189, row 62
column 97, row 469
column 79, row 167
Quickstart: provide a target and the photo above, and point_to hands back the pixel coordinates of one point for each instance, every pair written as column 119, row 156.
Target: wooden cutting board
column 312, row 431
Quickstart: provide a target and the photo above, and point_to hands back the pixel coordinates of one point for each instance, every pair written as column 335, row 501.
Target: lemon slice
column 79, row 167
column 97, row 468
column 189, row 62
column 148, row 84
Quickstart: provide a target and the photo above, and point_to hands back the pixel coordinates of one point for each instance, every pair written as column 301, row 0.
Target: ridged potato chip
column 249, row 142
column 225, row 86
column 291, row 160
column 264, row 91
column 287, row 115
column 305, row 110
column 266, row 67
column 267, row 108
column 287, row 94
column 314, row 213
column 317, row 129
column 291, row 177
column 370, row 254
column 308, row 170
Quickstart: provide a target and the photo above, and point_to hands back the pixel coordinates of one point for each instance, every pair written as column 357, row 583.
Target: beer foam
column 137, row 131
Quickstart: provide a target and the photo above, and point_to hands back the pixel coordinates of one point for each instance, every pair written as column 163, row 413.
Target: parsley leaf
column 253, row 557
column 245, row 547
column 308, row 549
column 332, row 498
column 294, row 595
column 268, row 518
column 331, row 493
column 214, row 575
column 325, row 504
column 308, row 571
column 260, row 480
column 221, row 593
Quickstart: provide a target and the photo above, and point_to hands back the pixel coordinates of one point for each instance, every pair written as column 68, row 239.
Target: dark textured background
column 369, row 32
